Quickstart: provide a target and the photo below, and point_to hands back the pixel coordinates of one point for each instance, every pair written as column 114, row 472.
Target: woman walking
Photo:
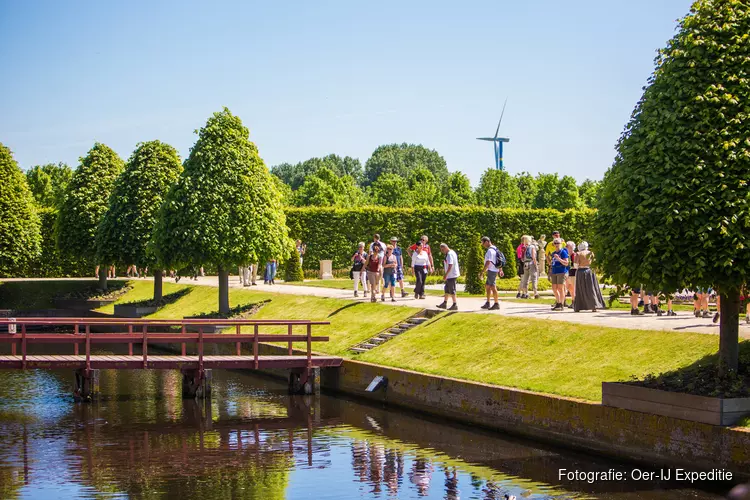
column 530, row 269
column 372, row 264
column 570, row 283
column 420, row 263
column 359, row 273
column 559, row 261
column 270, row 275
column 389, row 272
column 587, row 292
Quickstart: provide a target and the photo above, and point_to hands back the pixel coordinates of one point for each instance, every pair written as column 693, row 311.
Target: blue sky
column 313, row 78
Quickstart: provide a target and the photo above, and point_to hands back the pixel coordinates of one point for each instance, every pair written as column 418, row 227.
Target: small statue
column 541, row 256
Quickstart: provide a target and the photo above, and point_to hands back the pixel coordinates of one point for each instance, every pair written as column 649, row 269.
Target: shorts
column 400, row 274
column 558, row 279
column 389, row 279
column 491, row 277
column 450, row 286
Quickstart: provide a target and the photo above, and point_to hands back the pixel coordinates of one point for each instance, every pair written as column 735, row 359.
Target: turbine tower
column 497, row 142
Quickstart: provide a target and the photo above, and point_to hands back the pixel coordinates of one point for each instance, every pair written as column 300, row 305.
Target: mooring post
column 86, row 385
column 196, row 384
column 304, row 381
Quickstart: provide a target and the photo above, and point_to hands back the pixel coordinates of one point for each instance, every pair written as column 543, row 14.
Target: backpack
column 358, row 265
column 527, row 256
column 500, row 261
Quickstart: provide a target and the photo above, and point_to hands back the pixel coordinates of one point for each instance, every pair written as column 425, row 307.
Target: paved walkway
column 616, row 318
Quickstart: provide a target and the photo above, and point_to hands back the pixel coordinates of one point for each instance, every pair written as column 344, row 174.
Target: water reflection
column 251, row 440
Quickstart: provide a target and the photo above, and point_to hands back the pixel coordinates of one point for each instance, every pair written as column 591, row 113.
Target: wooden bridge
column 77, row 334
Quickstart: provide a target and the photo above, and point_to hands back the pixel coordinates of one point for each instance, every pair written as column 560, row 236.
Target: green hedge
column 332, row 233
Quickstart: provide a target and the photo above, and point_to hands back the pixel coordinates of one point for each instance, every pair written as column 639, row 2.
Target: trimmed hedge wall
column 332, row 233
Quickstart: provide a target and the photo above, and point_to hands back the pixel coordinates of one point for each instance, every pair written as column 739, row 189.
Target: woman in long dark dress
column 587, row 293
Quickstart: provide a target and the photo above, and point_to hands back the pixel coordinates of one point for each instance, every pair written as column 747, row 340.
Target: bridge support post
column 86, row 385
column 304, row 381
column 196, row 384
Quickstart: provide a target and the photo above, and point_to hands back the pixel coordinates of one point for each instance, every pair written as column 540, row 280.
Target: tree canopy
column 555, row 192
column 457, row 190
column 86, row 201
column 324, row 188
column 498, row 189
column 20, row 236
column 402, row 159
column 674, row 210
column 295, row 175
column 126, row 227
column 48, row 183
column 225, row 208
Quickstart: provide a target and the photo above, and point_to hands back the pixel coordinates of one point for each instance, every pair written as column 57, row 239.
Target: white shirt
column 420, row 259
column 491, row 257
column 451, row 258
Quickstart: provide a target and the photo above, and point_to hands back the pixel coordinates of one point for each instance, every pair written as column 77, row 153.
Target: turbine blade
column 501, row 118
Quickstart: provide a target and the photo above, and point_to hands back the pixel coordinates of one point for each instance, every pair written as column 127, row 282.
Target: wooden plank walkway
column 164, row 362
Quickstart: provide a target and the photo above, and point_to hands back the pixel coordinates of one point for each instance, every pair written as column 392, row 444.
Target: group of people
column 379, row 267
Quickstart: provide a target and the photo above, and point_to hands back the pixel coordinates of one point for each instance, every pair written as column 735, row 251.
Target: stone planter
column 81, row 304
column 133, row 311
column 206, row 328
column 326, row 270
column 708, row 410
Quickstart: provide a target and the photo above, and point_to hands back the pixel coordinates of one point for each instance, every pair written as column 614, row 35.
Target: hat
column 555, row 232
column 393, row 238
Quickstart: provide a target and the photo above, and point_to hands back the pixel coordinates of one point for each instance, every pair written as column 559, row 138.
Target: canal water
column 253, row 441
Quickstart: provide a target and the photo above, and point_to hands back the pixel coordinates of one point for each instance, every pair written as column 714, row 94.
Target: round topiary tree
column 474, row 267
column 126, row 227
column 674, row 208
column 511, row 266
column 84, row 205
column 20, row 237
column 293, row 269
column 224, row 209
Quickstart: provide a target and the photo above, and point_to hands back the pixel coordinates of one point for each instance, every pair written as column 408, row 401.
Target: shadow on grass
column 244, row 311
column 165, row 300
column 334, row 313
column 702, row 378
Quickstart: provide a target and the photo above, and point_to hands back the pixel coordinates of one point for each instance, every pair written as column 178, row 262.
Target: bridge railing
column 136, row 330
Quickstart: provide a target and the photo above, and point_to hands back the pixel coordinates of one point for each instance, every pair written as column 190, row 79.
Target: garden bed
column 143, row 308
column 244, row 311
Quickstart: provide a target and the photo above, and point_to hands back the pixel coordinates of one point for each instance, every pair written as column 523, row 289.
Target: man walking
column 490, row 267
column 451, row 273
column 400, row 265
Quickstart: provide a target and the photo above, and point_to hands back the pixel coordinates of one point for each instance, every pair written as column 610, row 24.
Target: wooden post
column 183, row 331
column 200, row 349
column 145, row 346
column 289, row 329
column 239, row 344
column 130, row 344
column 76, row 332
column 255, row 346
column 23, row 346
column 88, row 351
column 309, row 345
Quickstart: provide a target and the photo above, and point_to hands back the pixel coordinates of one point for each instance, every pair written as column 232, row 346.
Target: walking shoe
column 696, row 313
column 671, row 313
column 454, row 307
column 554, row 306
column 486, row 305
column 558, row 307
column 421, row 296
column 518, row 295
column 570, row 306
column 373, row 299
column 356, row 294
column 659, row 312
column 636, row 312
column 716, row 317
column 442, row 305
column 382, row 298
column 404, row 294
column 647, row 309
column 640, row 303
column 393, row 300
column 536, row 296
column 705, row 314
column 495, row 307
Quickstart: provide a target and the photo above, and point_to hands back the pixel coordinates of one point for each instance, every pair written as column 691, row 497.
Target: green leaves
column 126, row 227
column 402, row 160
column 19, row 223
column 86, row 201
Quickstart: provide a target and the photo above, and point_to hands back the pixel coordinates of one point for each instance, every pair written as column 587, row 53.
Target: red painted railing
column 130, row 335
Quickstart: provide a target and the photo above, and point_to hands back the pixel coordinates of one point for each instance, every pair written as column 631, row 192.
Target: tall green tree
column 555, row 192
column 474, row 266
column 527, row 187
column 390, row 190
column 224, row 209
column 48, row 183
column 325, row 188
column 423, row 188
column 125, row 229
column 20, row 237
column 457, row 190
column 675, row 206
column 497, row 189
column 402, row 159
column 295, row 175
column 84, row 205
column 588, row 191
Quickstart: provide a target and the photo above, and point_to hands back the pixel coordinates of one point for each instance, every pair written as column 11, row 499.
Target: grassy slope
column 552, row 357
column 350, row 322
column 39, row 294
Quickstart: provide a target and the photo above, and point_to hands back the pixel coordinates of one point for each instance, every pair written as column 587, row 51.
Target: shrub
column 511, row 266
column 474, row 266
column 293, row 269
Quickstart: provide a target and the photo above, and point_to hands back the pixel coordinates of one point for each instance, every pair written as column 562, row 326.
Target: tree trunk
column 103, row 277
column 223, row 291
column 729, row 332
column 158, row 288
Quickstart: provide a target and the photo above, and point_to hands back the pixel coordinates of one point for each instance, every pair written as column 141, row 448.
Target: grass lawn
column 558, row 358
column 351, row 322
